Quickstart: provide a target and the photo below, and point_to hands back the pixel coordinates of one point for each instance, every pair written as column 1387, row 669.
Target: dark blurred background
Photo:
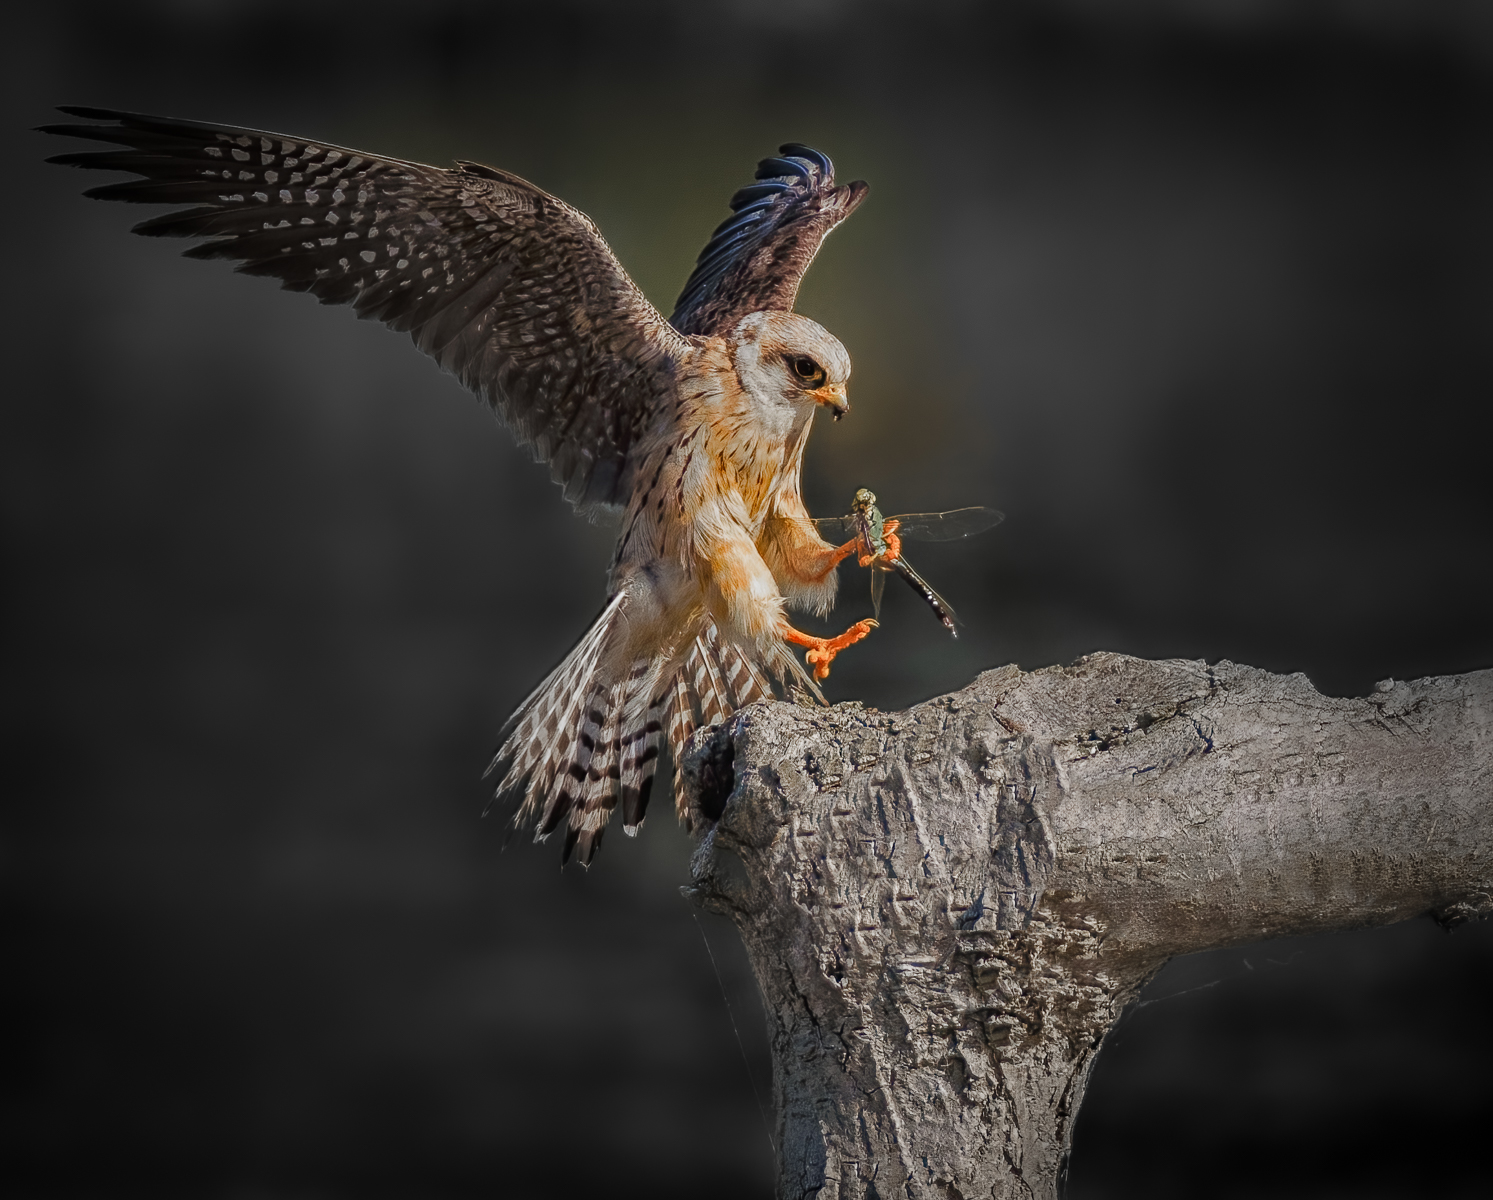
column 1196, row 291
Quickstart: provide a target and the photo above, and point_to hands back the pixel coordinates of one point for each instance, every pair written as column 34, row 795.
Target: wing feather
column 758, row 255
column 507, row 287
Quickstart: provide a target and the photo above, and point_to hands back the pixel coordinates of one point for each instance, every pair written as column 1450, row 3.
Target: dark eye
column 806, row 369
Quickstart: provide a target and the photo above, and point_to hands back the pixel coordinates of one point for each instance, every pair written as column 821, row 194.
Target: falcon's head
column 789, row 363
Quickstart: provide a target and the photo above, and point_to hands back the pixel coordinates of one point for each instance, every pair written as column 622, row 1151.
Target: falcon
column 693, row 427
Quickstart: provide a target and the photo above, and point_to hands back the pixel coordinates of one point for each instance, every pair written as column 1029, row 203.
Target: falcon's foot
column 893, row 542
column 893, row 546
column 822, row 651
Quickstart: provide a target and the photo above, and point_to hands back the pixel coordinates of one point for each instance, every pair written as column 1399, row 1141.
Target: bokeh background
column 1196, row 291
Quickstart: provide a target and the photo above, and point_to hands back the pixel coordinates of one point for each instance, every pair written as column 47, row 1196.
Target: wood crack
column 940, row 972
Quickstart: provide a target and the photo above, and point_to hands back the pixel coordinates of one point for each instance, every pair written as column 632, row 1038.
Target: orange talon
column 893, row 542
column 893, row 546
column 822, row 651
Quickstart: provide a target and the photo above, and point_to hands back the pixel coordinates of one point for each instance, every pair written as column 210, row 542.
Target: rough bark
column 947, row 908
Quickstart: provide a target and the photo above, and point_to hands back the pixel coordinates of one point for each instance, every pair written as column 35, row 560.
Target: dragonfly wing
column 878, row 586
column 947, row 526
column 837, row 529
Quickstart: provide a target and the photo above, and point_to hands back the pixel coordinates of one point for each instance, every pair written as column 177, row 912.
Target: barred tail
column 715, row 679
column 551, row 724
column 585, row 739
column 590, row 788
column 640, row 762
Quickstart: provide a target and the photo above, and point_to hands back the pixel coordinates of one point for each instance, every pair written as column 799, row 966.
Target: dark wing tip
column 818, row 158
column 94, row 114
column 119, row 121
column 794, row 160
column 97, row 133
column 793, row 187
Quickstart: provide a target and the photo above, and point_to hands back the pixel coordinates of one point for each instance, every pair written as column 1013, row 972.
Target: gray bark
column 947, row 908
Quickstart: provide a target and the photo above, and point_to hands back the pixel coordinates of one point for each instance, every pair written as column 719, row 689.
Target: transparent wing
column 878, row 586
column 837, row 529
column 945, row 526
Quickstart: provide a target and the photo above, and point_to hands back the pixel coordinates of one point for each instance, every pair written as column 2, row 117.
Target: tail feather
column 681, row 729
column 715, row 680
column 572, row 756
column 546, row 730
column 640, row 762
column 585, row 738
column 784, row 664
column 598, row 791
column 744, row 679
column 706, row 679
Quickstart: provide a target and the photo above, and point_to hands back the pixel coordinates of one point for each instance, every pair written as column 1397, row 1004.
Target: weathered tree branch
column 947, row 908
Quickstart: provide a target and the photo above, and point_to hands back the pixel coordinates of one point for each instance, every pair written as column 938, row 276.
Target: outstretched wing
column 755, row 260
column 510, row 289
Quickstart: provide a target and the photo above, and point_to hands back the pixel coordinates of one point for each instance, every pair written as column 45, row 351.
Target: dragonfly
column 881, row 543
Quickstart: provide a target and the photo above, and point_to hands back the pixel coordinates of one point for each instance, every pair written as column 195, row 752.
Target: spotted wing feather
column 507, row 287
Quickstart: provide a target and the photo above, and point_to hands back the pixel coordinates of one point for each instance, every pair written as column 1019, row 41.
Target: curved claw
column 822, row 651
column 893, row 542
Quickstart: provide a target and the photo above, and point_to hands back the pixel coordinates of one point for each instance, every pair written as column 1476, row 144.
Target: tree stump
column 947, row 908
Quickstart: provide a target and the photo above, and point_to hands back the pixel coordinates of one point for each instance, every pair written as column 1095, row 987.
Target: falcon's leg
column 802, row 563
column 829, row 560
column 893, row 542
column 822, row 651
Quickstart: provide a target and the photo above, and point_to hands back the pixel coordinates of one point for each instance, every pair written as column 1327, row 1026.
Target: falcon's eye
column 806, row 369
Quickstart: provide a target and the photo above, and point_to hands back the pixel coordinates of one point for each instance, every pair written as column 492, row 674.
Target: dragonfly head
column 865, row 498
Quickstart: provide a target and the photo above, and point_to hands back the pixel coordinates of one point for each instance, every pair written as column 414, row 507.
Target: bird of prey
column 693, row 427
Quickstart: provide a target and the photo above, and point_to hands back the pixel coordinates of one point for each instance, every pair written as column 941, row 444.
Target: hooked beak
column 832, row 396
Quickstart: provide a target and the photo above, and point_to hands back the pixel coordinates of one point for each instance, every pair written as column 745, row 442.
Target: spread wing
column 755, row 260
column 510, row 289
